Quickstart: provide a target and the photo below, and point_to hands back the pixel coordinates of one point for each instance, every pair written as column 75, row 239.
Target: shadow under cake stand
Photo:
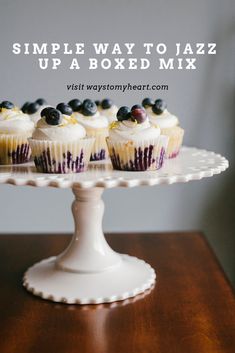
column 89, row 271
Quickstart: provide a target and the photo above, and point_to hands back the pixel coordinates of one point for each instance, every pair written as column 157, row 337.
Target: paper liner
column 138, row 156
column 175, row 135
column 61, row 157
column 99, row 150
column 14, row 149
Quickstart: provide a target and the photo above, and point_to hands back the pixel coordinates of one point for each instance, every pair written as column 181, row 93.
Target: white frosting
column 37, row 116
column 96, row 121
column 68, row 130
column 109, row 113
column 128, row 130
column 15, row 122
column 164, row 120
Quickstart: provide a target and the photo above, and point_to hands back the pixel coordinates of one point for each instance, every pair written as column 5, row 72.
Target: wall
column 203, row 99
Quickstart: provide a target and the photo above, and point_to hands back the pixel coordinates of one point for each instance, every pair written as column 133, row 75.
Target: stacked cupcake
column 168, row 123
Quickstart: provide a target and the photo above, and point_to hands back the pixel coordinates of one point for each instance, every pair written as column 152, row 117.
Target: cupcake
column 107, row 108
column 15, row 129
column 134, row 144
column 168, row 123
column 59, row 143
column 33, row 109
column 96, row 126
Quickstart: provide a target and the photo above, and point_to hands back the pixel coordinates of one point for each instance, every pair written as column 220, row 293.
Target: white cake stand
column 89, row 271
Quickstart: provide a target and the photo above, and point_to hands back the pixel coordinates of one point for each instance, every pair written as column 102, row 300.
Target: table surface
column 190, row 309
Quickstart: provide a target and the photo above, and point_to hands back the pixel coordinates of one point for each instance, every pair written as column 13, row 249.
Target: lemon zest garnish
column 113, row 125
column 69, row 120
column 3, row 110
column 73, row 120
column 7, row 116
column 135, row 121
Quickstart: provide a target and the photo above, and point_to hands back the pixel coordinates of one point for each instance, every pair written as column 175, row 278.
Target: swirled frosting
column 68, row 130
column 109, row 113
column 96, row 121
column 128, row 130
column 164, row 120
column 15, row 122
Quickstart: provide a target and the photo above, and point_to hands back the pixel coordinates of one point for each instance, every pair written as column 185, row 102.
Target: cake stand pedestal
column 89, row 271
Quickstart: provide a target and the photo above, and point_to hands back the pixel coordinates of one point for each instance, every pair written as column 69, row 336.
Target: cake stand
column 89, row 271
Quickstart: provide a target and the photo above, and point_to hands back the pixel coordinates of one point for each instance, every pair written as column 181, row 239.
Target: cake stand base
column 89, row 271
column 129, row 278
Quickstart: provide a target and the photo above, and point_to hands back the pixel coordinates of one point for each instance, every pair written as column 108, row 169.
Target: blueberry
column 147, row 102
column 137, row 106
column 89, row 107
column 122, row 113
column 7, row 105
column 64, row 108
column 88, row 100
column 41, row 101
column 129, row 116
column 32, row 108
column 53, row 117
column 25, row 107
column 139, row 114
column 98, row 103
column 159, row 106
column 106, row 103
column 75, row 104
column 45, row 111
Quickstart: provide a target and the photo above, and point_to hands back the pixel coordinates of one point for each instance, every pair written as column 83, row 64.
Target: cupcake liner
column 175, row 135
column 14, row 149
column 61, row 157
column 99, row 150
column 138, row 156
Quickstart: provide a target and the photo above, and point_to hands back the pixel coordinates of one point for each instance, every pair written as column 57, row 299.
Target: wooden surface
column 190, row 309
